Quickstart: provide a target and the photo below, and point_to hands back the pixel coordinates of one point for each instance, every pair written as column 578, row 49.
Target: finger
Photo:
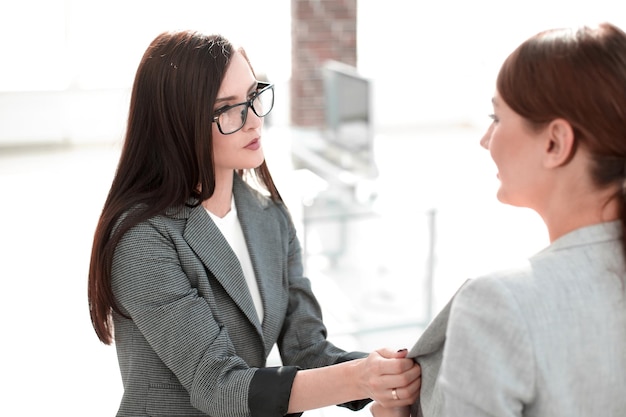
column 395, row 366
column 413, row 372
column 409, row 393
column 402, row 353
column 387, row 382
column 395, row 398
column 405, row 366
column 391, row 354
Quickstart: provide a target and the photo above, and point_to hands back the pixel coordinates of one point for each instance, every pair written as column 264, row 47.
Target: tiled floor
column 373, row 288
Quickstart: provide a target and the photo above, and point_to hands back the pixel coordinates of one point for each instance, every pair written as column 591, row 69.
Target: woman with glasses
column 195, row 275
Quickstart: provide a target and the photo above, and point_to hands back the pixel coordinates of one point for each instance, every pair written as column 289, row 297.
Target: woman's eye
column 220, row 110
column 494, row 118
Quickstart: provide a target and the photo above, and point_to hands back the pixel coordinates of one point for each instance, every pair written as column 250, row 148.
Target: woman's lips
column 254, row 145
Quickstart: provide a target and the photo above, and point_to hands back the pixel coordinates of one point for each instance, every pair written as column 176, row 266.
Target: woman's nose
column 252, row 120
column 484, row 141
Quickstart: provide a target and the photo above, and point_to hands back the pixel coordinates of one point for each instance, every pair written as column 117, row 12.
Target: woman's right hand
column 390, row 378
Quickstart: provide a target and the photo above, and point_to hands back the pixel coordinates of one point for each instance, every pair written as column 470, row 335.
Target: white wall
column 435, row 62
column 68, row 64
column 62, row 117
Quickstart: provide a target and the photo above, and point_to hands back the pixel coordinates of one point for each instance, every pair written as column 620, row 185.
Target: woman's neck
column 581, row 212
column 219, row 203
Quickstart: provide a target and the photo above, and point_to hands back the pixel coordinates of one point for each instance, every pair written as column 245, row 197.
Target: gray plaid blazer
column 193, row 341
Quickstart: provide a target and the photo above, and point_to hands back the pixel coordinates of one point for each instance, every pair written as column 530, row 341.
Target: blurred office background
column 395, row 203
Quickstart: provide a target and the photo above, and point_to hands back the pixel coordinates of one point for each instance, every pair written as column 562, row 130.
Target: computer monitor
column 348, row 121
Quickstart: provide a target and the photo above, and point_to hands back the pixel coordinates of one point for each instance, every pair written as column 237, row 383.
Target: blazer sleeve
column 488, row 366
column 303, row 340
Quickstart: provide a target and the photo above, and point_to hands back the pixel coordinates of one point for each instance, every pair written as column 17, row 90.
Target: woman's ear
column 560, row 143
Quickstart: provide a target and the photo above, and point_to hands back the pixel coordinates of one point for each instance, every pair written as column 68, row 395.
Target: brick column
column 321, row 30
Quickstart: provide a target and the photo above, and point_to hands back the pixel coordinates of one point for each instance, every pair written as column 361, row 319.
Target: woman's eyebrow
column 229, row 98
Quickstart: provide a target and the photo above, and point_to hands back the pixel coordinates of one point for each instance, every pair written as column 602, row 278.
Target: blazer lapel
column 263, row 238
column 207, row 241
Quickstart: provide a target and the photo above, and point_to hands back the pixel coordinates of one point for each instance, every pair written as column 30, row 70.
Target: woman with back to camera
column 195, row 275
column 549, row 338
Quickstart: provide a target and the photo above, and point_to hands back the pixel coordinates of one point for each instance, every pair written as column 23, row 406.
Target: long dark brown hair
column 167, row 155
column 578, row 75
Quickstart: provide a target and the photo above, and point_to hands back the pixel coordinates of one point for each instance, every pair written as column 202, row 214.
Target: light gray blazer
column 193, row 340
column 547, row 339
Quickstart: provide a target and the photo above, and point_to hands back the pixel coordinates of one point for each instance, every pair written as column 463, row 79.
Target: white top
column 231, row 229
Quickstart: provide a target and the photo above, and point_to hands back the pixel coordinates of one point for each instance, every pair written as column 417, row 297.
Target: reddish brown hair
column 578, row 75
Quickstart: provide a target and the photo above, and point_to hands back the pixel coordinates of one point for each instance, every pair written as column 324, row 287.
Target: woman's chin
column 501, row 196
column 509, row 200
column 253, row 163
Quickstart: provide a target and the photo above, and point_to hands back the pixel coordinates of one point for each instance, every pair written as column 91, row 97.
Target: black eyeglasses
column 230, row 119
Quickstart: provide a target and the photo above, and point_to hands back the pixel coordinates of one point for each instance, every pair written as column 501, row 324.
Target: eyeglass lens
column 234, row 118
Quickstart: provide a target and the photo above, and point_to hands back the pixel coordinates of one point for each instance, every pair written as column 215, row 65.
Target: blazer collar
column 601, row 232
